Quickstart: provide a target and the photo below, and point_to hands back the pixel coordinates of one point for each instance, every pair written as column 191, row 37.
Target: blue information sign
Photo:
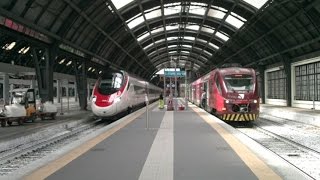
column 174, row 73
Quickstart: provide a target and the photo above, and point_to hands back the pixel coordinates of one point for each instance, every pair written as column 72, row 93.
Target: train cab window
column 239, row 82
column 110, row 83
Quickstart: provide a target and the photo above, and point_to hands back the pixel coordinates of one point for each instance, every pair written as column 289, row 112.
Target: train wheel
column 3, row 123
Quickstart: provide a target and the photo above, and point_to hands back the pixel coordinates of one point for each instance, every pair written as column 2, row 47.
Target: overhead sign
column 174, row 73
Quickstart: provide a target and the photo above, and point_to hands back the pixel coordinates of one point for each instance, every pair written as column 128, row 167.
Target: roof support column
column 262, row 91
column 44, row 59
column 287, row 69
column 81, row 81
column 6, row 88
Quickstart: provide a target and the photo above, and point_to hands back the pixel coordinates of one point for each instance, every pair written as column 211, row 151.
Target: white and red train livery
column 117, row 92
column 232, row 93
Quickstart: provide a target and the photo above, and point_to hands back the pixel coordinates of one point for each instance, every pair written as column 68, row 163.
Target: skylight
column 153, row 14
column 193, row 27
column 120, row 3
column 147, row 46
column 256, row 3
column 197, row 10
column 234, row 21
column 172, row 10
column 157, row 30
column 222, row 36
column 172, row 46
column 216, row 14
column 143, row 37
column 135, row 22
column 213, row 45
column 189, row 38
column 208, row 30
column 186, row 46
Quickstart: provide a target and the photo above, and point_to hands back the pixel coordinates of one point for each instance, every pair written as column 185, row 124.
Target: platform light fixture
column 9, row 46
column 24, row 50
column 62, row 61
column 89, row 68
column 79, row 66
column 68, row 64
column 100, row 72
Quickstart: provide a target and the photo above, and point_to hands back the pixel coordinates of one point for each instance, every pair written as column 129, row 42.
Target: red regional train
column 118, row 92
column 231, row 93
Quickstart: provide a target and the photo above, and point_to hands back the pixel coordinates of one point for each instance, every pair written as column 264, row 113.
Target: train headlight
column 255, row 101
column 227, row 101
column 94, row 99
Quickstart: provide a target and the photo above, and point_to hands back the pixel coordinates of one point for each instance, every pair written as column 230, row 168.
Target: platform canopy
column 144, row 36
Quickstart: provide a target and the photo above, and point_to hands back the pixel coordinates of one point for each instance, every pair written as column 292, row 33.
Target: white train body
column 119, row 92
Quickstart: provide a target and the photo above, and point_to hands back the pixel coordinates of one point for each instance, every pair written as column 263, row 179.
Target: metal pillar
column 81, row 79
column 58, row 83
column 6, row 89
column 44, row 59
column 287, row 68
column 262, row 92
column 75, row 92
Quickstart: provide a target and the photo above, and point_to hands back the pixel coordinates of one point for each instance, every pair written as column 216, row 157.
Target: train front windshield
column 239, row 82
column 110, row 83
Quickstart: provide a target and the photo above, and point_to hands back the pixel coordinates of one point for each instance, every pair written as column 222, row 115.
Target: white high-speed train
column 117, row 92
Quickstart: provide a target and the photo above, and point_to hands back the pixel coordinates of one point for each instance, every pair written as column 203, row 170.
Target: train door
column 206, row 88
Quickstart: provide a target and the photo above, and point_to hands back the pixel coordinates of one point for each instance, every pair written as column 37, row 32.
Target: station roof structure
column 144, row 36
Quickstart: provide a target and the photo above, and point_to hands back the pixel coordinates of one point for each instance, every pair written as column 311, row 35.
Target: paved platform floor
column 186, row 145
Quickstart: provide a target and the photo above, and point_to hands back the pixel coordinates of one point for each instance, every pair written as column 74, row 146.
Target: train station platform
column 187, row 145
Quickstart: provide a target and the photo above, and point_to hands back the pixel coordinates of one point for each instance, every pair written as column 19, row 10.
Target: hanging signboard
column 174, row 73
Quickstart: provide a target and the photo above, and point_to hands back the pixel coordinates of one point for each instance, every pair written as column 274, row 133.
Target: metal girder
column 81, row 80
column 31, row 25
column 82, row 14
column 268, row 33
column 44, row 60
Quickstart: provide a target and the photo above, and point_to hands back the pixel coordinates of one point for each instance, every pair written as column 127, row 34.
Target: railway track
column 277, row 139
column 18, row 157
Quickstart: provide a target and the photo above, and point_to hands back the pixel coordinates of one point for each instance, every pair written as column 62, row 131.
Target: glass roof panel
column 148, row 46
column 256, row 3
column 143, row 37
column 238, row 16
column 135, row 22
column 171, row 38
column 222, row 36
column 157, row 30
column 209, row 54
column 234, row 21
column 186, row 52
column 172, row 10
column 153, row 14
column 208, row 30
column 133, row 17
column 159, row 41
column 172, row 46
column 119, row 4
column 189, row 38
column 168, row 28
column 193, row 27
column 201, row 40
column 197, row 10
column 213, row 45
column 216, row 13
column 186, row 46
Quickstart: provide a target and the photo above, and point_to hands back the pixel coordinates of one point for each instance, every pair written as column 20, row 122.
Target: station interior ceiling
column 145, row 36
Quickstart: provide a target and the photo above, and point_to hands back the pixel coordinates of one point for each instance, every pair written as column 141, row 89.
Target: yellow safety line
column 257, row 166
column 54, row 166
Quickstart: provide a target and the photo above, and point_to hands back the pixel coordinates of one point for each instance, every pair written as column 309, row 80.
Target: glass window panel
column 159, row 41
column 216, row 13
column 193, row 27
column 148, row 46
column 143, row 37
column 213, row 45
column 186, row 52
column 153, row 14
column 134, row 17
column 172, row 10
column 222, row 36
column 197, row 10
column 171, row 38
column 234, row 21
column 186, row 46
column 189, row 38
column 135, row 22
column 157, row 30
column 209, row 54
column 238, row 16
column 208, row 30
column 119, row 4
column 172, row 46
column 256, row 3
column 168, row 28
